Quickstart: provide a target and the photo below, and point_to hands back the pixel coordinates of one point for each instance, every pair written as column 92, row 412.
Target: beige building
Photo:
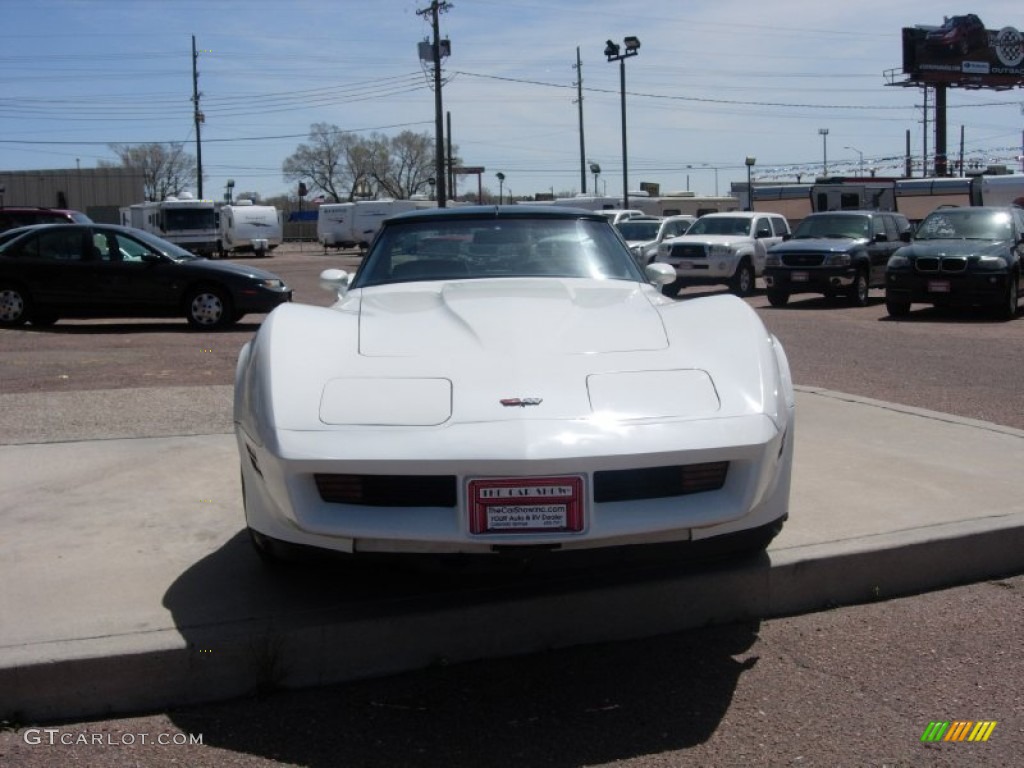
column 97, row 192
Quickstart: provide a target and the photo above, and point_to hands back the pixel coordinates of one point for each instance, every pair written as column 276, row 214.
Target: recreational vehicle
column 184, row 221
column 351, row 225
column 245, row 227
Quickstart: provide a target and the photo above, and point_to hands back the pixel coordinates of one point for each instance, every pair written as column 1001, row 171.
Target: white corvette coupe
column 506, row 380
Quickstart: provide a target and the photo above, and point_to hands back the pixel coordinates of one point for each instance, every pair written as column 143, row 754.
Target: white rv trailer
column 672, row 204
column 245, row 227
column 185, row 221
column 351, row 225
column 1006, row 189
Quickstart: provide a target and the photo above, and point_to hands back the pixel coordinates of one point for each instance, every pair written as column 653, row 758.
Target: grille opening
column 388, row 490
column 659, row 482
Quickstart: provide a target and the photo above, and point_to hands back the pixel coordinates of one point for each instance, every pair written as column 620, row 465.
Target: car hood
column 818, row 244
column 208, row 266
column 508, row 317
column 488, row 351
column 708, row 239
column 953, row 247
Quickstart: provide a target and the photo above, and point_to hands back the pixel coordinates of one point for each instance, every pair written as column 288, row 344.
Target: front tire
column 778, row 298
column 208, row 308
column 15, row 305
column 743, row 281
column 897, row 307
column 1007, row 309
column 672, row 289
column 859, row 292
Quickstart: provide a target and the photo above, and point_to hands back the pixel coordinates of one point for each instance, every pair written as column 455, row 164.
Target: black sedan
column 52, row 271
column 967, row 256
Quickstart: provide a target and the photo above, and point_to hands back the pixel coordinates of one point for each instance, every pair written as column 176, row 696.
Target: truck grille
column 941, row 264
column 688, row 251
column 803, row 259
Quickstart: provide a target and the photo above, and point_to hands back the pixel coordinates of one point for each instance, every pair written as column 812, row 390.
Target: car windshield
column 454, row 248
column 965, row 224
column 720, row 225
column 633, row 229
column 164, row 247
column 853, row 227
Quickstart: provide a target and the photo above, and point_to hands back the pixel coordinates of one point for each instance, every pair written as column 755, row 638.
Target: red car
column 959, row 35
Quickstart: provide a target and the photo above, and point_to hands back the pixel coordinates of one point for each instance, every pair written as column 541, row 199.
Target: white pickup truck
column 723, row 249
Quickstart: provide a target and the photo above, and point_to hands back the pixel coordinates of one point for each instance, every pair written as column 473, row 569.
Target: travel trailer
column 351, row 225
column 250, row 228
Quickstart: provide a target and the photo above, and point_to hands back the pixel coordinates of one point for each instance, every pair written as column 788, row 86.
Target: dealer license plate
column 526, row 504
column 938, row 286
column 799, row 277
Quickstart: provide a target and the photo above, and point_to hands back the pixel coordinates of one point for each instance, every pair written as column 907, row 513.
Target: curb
column 170, row 668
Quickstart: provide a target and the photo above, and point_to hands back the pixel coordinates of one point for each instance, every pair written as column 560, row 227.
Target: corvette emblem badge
column 521, row 402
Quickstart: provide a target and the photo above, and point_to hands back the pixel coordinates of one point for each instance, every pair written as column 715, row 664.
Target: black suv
column 966, row 256
column 838, row 252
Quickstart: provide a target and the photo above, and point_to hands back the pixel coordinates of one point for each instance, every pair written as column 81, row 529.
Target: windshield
column 639, row 230
column 965, row 224
column 468, row 248
column 852, row 227
column 720, row 225
column 183, row 219
column 162, row 246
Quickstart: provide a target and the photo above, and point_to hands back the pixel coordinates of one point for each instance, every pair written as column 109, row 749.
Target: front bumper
column 283, row 502
column 953, row 289
column 261, row 300
column 809, row 280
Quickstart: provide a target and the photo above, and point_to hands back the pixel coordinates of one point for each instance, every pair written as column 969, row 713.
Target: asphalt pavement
column 129, row 585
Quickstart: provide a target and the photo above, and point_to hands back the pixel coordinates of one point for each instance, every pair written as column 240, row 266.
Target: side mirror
column 660, row 273
column 335, row 280
column 906, row 237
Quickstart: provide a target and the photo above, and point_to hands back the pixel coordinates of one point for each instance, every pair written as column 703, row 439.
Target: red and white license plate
column 526, row 504
column 799, row 277
column 938, row 286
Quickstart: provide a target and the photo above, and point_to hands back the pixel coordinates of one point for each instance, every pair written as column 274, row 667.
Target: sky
column 714, row 82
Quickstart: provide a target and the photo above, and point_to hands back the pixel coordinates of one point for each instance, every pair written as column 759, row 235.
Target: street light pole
column 860, row 162
column 613, row 52
column 824, row 145
column 595, row 169
column 501, row 187
column 750, row 161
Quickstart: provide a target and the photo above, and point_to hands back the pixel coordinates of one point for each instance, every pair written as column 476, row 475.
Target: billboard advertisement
column 962, row 52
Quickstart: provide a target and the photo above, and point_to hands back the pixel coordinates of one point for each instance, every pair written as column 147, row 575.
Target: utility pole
column 579, row 102
column 199, row 120
column 437, row 7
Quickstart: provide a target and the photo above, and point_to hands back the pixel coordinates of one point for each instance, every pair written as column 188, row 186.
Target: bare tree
column 326, row 161
column 345, row 166
column 167, row 170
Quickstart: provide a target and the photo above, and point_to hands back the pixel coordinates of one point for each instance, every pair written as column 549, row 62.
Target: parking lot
column 958, row 362
column 854, row 686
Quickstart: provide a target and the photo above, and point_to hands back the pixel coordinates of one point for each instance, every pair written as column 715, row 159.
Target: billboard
column 962, row 52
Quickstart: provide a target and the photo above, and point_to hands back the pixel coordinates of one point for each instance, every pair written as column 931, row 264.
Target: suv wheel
column 859, row 291
column 743, row 280
column 1007, row 309
column 672, row 289
column 897, row 307
column 778, row 298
